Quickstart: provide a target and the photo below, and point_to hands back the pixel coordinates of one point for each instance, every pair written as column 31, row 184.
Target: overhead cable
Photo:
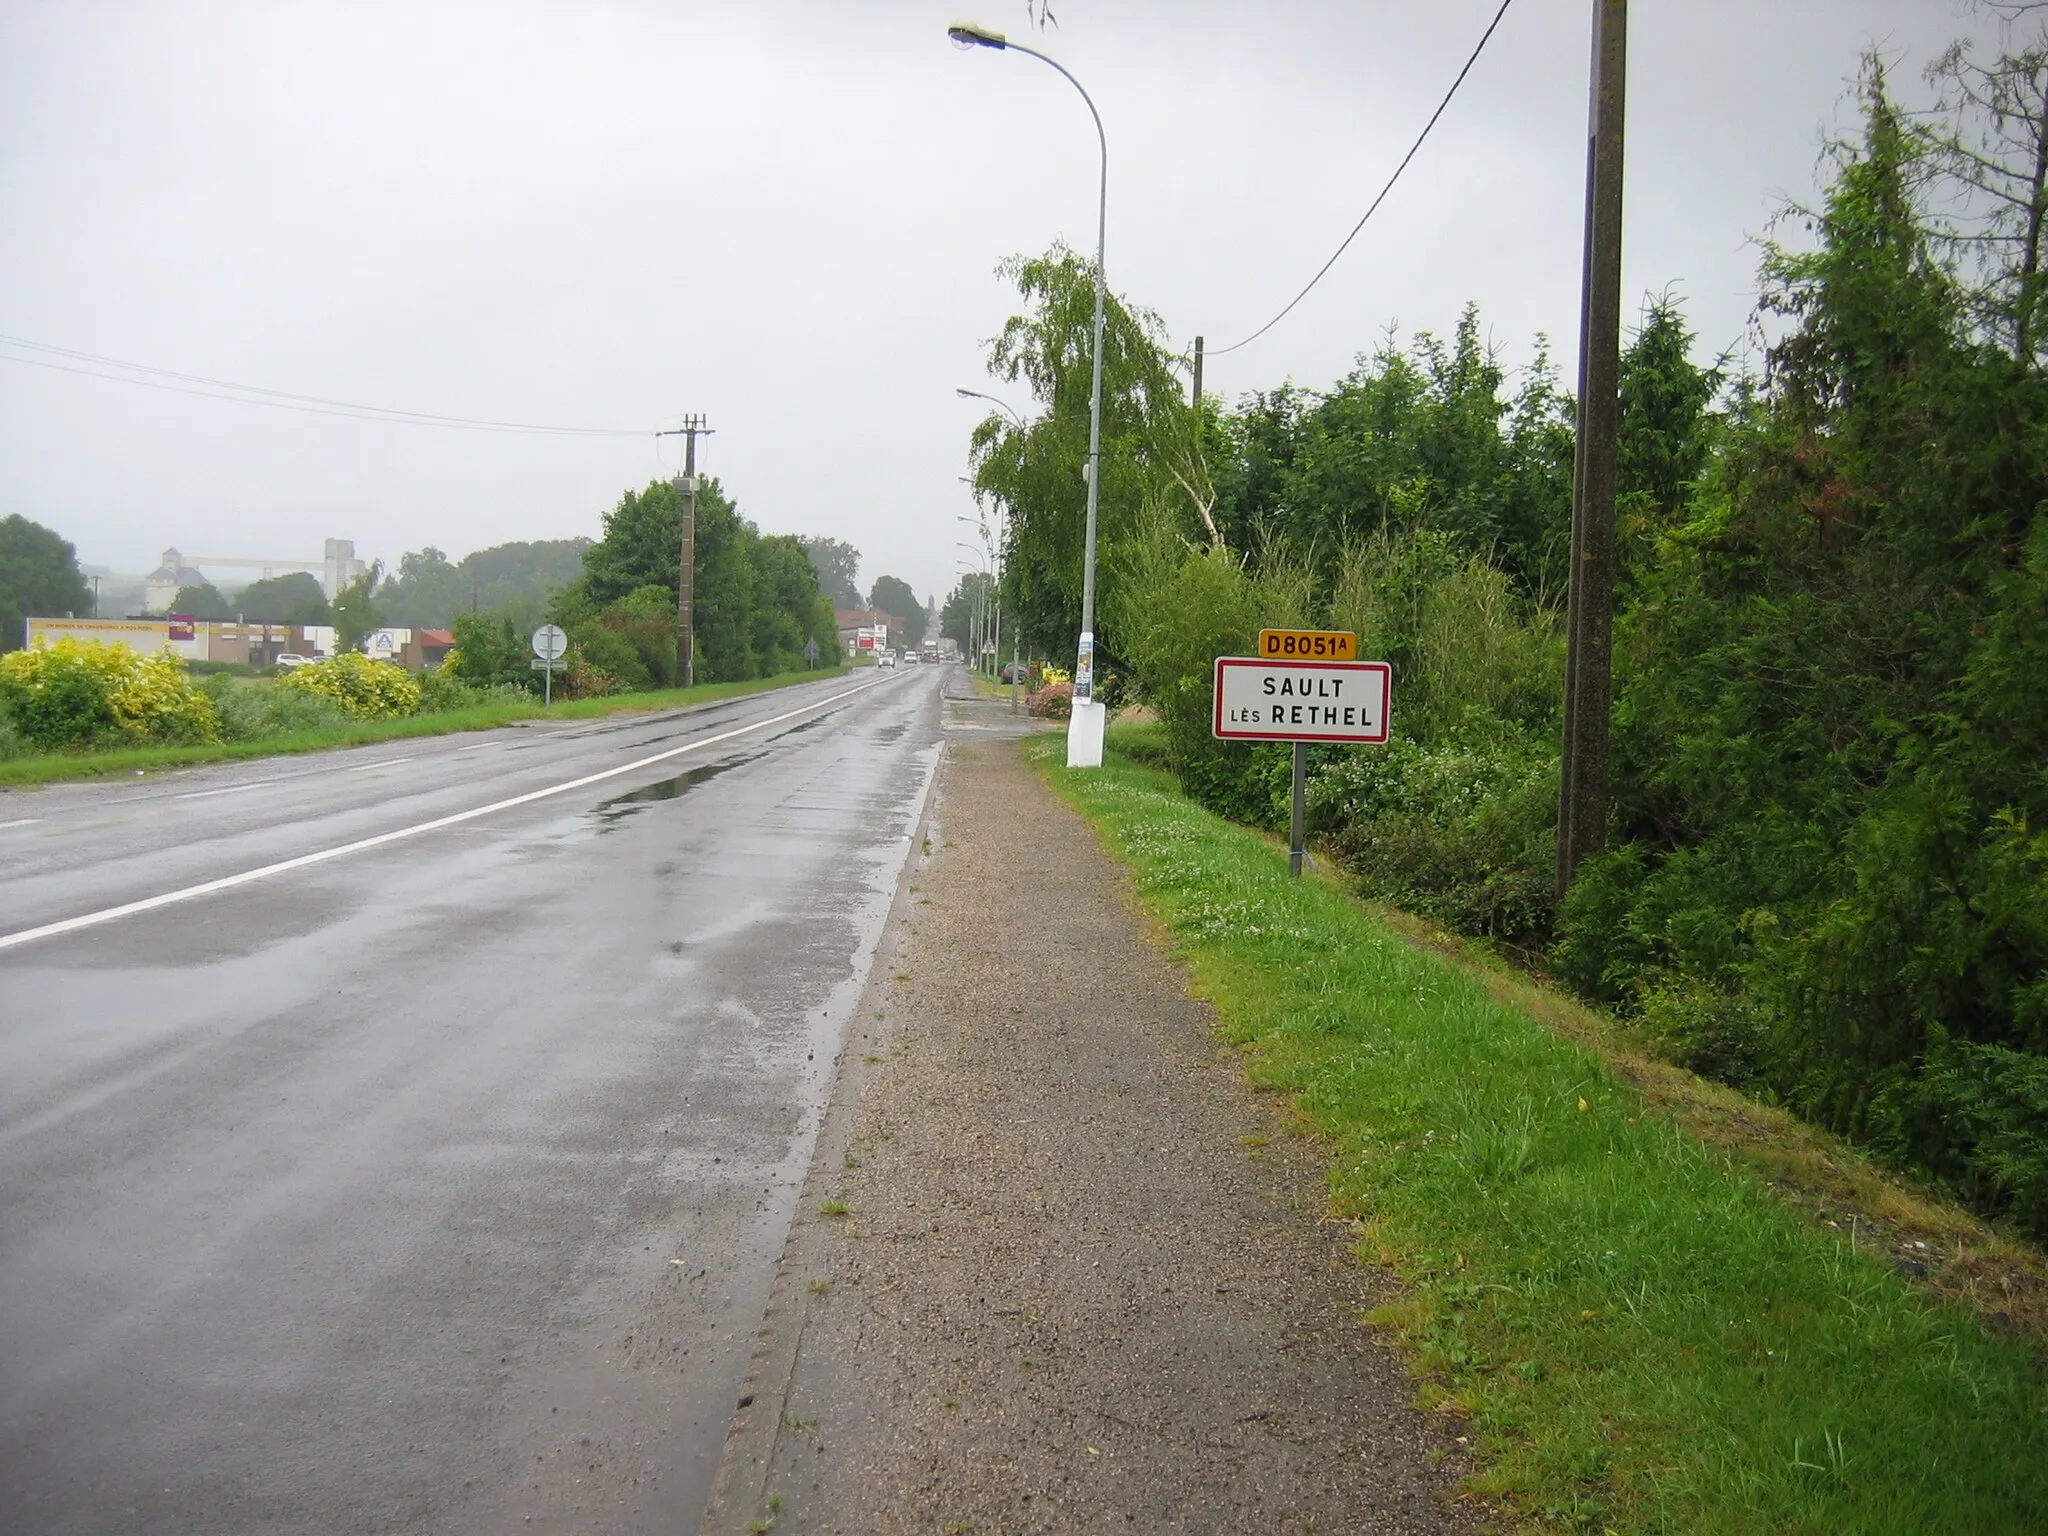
column 252, row 394
column 1484, row 38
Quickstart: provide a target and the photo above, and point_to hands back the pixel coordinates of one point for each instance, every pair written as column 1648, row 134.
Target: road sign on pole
column 550, row 644
column 811, row 651
column 1302, row 701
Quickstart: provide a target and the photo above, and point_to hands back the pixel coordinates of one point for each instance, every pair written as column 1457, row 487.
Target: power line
column 1485, row 37
column 253, row 394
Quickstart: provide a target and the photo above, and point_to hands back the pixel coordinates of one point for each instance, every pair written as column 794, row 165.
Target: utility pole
column 686, row 578
column 1589, row 661
column 1198, row 378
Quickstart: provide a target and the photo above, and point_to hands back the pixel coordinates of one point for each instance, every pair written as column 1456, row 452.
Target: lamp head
column 966, row 35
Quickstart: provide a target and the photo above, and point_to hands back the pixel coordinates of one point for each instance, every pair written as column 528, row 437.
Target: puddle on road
column 610, row 812
column 892, row 732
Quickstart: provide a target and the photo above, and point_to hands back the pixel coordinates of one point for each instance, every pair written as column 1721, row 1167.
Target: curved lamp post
column 1002, row 542
column 1084, row 730
column 992, row 624
column 1001, row 405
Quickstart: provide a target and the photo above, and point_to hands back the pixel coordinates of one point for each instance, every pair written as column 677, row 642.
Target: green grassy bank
column 1643, row 1335
column 44, row 768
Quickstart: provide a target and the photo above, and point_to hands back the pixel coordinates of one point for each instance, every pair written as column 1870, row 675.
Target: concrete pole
column 1589, row 673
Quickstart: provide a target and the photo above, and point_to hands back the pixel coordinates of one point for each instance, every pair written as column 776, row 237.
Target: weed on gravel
column 1643, row 1336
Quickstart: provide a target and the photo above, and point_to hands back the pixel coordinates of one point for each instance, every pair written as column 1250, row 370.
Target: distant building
column 256, row 645
column 338, row 566
column 160, row 587
column 882, row 628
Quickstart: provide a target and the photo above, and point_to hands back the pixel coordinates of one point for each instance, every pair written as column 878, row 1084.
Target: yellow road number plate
column 1307, row 645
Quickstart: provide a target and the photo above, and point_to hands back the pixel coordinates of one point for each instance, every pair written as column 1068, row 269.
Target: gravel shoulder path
column 1083, row 1281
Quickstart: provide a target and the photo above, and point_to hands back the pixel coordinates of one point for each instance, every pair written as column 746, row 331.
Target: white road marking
column 25, row 821
column 384, row 763
column 477, row 747
column 232, row 789
column 306, row 860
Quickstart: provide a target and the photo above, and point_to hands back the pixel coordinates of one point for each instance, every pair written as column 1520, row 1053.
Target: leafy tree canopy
column 39, row 578
column 201, row 600
column 756, row 598
column 1152, row 468
column 429, row 590
column 893, row 596
column 838, row 566
column 291, row 599
column 962, row 610
column 354, row 612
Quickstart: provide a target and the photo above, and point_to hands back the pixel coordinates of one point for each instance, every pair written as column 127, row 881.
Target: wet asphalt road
column 435, row 1186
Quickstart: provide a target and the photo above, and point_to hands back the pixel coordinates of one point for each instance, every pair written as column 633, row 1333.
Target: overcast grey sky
column 787, row 215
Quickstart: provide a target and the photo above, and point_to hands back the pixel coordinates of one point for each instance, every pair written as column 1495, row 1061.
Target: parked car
column 289, row 659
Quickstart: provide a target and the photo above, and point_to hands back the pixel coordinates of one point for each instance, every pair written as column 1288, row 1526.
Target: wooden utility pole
column 1589, row 662
column 686, row 648
column 1198, row 378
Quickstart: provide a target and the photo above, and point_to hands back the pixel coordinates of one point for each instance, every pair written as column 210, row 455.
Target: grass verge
column 1644, row 1335
column 45, row 768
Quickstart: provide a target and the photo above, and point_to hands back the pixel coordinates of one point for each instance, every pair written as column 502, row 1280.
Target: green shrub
column 259, row 711
column 1723, row 1035
column 1196, row 606
column 491, row 650
column 366, row 689
column 1978, row 1116
column 75, row 694
column 442, row 691
column 604, row 660
column 1462, row 830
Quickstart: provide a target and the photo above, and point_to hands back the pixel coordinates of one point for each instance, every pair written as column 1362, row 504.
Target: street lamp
column 1084, row 730
column 999, row 546
column 985, row 602
column 1001, row 405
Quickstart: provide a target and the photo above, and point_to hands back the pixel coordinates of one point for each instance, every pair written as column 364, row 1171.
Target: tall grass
column 1643, row 1336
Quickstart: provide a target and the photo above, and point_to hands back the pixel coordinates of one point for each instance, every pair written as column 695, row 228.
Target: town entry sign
column 1259, row 700
column 1303, row 686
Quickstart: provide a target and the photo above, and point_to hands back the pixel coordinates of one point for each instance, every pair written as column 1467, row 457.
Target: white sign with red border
column 1260, row 700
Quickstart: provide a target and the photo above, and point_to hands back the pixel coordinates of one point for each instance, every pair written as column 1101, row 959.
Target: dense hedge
column 362, row 688
column 75, row 695
column 1827, row 874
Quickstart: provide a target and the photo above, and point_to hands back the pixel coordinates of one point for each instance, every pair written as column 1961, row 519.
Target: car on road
column 885, row 658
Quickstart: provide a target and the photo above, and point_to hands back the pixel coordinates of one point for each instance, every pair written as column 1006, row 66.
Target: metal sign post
column 811, row 652
column 1303, row 701
column 550, row 645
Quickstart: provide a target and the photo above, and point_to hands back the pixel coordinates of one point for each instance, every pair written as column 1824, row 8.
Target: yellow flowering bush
column 78, row 694
column 369, row 690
